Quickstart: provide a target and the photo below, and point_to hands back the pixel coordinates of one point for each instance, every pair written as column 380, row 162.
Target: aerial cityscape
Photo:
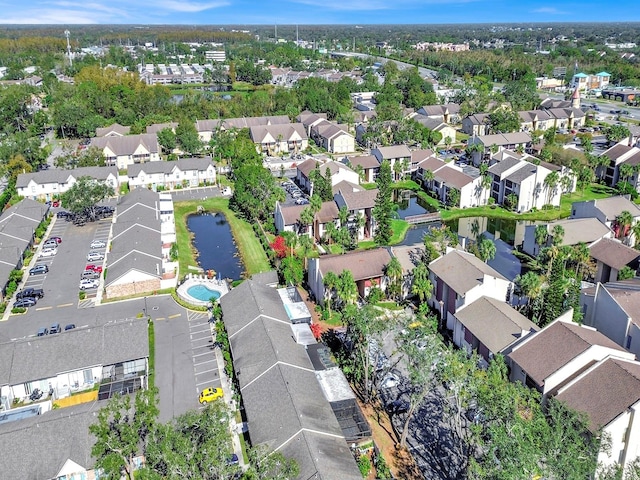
column 319, row 240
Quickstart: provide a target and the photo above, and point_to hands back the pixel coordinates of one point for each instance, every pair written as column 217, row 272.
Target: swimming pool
column 202, row 293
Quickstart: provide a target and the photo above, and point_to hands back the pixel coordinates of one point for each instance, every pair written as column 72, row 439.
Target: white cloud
column 550, row 11
column 189, row 7
column 360, row 5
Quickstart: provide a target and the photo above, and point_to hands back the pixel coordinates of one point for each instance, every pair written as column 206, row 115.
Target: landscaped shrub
column 18, row 310
column 364, row 464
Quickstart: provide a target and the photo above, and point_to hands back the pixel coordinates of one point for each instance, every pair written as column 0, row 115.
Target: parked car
column 58, row 240
column 49, row 244
column 25, row 302
column 62, row 214
column 48, row 252
column 88, row 283
column 42, row 332
column 210, row 394
column 98, row 244
column 56, row 203
column 38, row 269
column 91, row 274
column 94, row 268
column 30, row 292
column 94, row 256
column 71, row 326
column 55, row 328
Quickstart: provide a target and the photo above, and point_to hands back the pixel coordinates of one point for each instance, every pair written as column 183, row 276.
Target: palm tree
column 550, row 183
column 557, row 234
column 346, row 287
column 625, row 171
column 486, row 249
column 428, row 178
column 581, row 255
column 566, row 182
column 541, row 235
column 330, row 281
column 421, row 285
column 393, row 270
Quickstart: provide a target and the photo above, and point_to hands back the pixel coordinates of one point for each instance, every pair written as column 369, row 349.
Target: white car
column 98, row 244
column 94, row 256
column 88, row 283
column 50, row 252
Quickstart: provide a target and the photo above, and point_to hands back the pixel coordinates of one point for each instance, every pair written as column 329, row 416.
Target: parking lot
column 185, row 353
column 294, row 195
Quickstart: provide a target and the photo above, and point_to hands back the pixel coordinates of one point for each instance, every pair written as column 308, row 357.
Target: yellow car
column 210, row 394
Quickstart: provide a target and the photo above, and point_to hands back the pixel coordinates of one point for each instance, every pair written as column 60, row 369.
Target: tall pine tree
column 383, row 210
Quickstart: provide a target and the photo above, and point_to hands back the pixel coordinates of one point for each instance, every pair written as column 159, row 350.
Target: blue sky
column 309, row 11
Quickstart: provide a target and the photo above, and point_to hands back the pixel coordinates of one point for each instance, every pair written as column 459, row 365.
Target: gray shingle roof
column 65, row 432
column 462, row 271
column 115, row 128
column 452, row 177
column 39, row 357
column 578, row 230
column 283, row 401
column 128, row 144
column 63, row 176
column 394, row 151
column 525, row 171
column 504, row 165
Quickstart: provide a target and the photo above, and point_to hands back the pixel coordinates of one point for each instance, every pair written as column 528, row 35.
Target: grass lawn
column 593, row 192
column 400, row 229
column 253, row 255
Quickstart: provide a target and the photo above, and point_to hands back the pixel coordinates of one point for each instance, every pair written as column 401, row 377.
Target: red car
column 56, row 203
column 94, row 268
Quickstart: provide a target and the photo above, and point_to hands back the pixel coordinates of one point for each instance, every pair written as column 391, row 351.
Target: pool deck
column 195, row 279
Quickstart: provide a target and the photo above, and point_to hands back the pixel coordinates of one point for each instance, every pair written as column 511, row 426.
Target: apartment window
column 628, row 344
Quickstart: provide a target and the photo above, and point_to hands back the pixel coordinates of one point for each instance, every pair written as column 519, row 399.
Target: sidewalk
column 236, row 429
column 25, row 269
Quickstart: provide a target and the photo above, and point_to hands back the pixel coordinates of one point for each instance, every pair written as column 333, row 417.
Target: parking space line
column 65, row 305
column 175, row 315
column 43, row 308
column 200, row 354
column 206, row 371
column 202, row 363
column 205, row 383
column 160, row 318
column 208, row 330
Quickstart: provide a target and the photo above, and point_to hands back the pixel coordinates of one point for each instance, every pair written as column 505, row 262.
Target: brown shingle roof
column 494, row 323
column 432, row 164
column 359, row 200
column 291, row 213
column 364, row 264
column 556, row 345
column 452, row 177
column 307, row 166
column 115, row 128
column 462, row 271
column 613, row 253
column 606, row 391
column 365, row 161
column 578, row 230
column 394, row 151
column 328, row 212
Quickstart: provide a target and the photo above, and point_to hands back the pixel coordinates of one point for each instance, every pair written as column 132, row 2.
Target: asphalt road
column 185, row 355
